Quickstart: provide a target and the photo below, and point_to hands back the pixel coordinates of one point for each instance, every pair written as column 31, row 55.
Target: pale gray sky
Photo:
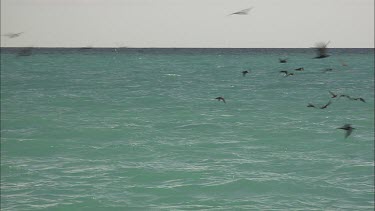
column 188, row 23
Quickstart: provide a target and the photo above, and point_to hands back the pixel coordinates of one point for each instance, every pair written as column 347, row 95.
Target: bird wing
column 242, row 12
column 284, row 71
column 348, row 132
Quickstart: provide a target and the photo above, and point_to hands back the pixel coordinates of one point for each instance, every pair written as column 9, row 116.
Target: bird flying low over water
column 322, row 107
column 359, row 98
column 333, row 94
column 245, row 72
column 242, row 12
column 352, row 98
column 220, row 98
column 321, row 50
column 13, row 35
column 311, row 105
column 347, row 96
column 282, row 60
column 349, row 129
column 326, row 105
column 299, row 69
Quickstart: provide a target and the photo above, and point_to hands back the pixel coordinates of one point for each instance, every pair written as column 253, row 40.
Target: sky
column 188, row 23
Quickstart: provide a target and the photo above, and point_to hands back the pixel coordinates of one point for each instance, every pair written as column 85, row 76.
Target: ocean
column 140, row 129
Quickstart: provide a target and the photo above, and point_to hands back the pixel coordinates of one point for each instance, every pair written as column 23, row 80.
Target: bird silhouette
column 321, row 50
column 13, row 35
column 299, row 69
column 322, row 107
column 311, row 105
column 349, row 129
column 333, row 94
column 220, row 98
column 326, row 105
column 359, row 98
column 242, row 12
column 283, row 60
column 347, row 96
column 245, row 72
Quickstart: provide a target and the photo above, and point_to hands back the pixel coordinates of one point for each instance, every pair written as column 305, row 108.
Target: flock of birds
column 321, row 49
column 321, row 53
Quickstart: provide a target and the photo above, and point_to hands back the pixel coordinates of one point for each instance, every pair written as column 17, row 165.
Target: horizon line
column 88, row 48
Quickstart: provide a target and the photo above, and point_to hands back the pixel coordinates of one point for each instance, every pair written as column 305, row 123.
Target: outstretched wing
column 348, row 132
column 242, row 12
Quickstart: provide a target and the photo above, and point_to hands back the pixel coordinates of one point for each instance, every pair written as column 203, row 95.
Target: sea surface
column 140, row 129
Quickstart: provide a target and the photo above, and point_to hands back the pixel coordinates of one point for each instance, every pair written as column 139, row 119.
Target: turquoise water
column 139, row 129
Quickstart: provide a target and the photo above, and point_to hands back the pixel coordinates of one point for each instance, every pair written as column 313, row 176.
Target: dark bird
column 286, row 73
column 245, row 72
column 13, row 35
column 220, row 98
column 349, row 129
column 321, row 50
column 299, row 69
column 282, row 60
column 326, row 105
column 311, row 105
column 242, row 12
column 359, row 98
column 333, row 94
column 347, row 96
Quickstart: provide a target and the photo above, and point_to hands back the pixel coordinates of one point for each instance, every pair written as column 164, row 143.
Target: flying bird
column 220, row 98
column 299, row 69
column 321, row 50
column 347, row 96
column 349, row 129
column 242, row 12
column 245, row 72
column 333, row 94
column 311, row 105
column 282, row 60
column 12, row 35
column 323, row 107
column 359, row 98
column 326, row 105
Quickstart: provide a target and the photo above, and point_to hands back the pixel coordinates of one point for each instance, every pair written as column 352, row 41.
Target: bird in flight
column 321, row 50
column 282, row 60
column 323, row 107
column 349, row 129
column 12, row 35
column 326, row 105
column 333, row 94
column 242, row 12
column 311, row 105
column 245, row 72
column 299, row 69
column 359, row 98
column 220, row 98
